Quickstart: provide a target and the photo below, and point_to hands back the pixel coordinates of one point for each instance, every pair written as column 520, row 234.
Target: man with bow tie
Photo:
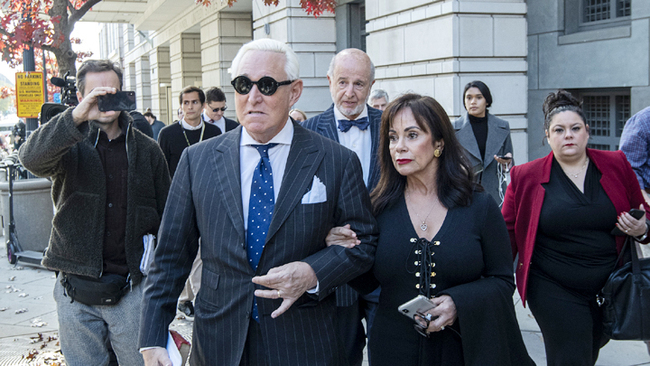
column 351, row 122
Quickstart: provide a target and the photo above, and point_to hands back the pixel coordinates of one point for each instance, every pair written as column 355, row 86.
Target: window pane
column 623, row 8
column 597, row 111
column 595, row 10
column 622, row 112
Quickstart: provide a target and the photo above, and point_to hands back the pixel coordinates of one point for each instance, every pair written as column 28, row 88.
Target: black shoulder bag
column 625, row 298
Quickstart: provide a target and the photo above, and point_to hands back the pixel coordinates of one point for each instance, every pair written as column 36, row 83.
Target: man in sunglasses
column 262, row 198
column 351, row 122
column 215, row 106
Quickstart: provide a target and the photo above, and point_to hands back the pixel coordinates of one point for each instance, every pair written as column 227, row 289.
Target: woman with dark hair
column 486, row 139
column 440, row 238
column 560, row 211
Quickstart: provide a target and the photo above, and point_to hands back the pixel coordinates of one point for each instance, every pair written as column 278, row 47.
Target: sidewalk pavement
column 27, row 309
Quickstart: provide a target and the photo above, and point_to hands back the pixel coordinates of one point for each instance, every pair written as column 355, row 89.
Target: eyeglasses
column 223, row 109
column 266, row 85
column 422, row 323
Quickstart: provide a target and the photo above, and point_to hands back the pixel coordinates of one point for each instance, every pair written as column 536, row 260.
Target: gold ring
column 442, row 328
column 279, row 294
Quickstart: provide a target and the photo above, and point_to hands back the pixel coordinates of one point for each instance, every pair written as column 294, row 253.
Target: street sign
column 29, row 93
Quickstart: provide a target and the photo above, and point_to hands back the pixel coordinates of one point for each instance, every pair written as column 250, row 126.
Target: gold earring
column 437, row 153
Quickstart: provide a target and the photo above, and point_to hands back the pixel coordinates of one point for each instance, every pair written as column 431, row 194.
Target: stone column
column 142, row 83
column 222, row 34
column 185, row 63
column 436, row 47
column 160, row 81
column 313, row 40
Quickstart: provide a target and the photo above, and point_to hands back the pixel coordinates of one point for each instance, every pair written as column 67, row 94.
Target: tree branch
column 79, row 13
column 8, row 34
column 47, row 47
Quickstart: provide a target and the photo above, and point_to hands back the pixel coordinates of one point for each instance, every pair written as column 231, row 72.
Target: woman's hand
column 504, row 162
column 342, row 236
column 631, row 226
column 445, row 311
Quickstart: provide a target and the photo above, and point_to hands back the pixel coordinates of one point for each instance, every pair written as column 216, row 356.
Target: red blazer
column 525, row 196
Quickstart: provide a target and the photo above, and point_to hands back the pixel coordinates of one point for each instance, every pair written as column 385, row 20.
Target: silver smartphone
column 419, row 304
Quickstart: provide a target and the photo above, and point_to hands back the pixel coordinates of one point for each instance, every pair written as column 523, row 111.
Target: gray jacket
column 498, row 143
column 67, row 154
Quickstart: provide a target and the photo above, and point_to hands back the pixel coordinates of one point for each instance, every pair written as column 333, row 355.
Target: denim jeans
column 85, row 330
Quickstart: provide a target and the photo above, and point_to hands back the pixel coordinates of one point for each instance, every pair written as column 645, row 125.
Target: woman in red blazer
column 560, row 211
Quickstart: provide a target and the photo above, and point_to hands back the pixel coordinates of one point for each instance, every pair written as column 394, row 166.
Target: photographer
column 109, row 186
column 18, row 134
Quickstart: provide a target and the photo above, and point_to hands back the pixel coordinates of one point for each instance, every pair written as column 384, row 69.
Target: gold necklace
column 581, row 169
column 423, row 225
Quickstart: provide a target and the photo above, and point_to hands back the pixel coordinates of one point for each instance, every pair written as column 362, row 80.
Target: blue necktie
column 260, row 210
column 346, row 124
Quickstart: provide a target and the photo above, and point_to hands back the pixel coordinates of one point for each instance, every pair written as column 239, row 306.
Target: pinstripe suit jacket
column 326, row 125
column 205, row 200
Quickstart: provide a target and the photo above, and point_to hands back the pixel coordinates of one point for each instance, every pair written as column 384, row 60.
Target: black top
column 480, row 129
column 173, row 141
column 472, row 263
column 574, row 246
column 115, row 164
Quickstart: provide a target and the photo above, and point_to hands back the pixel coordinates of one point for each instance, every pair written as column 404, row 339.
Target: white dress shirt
column 221, row 122
column 249, row 158
column 356, row 140
column 189, row 127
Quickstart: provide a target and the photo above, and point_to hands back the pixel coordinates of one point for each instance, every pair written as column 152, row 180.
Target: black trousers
column 571, row 322
column 254, row 354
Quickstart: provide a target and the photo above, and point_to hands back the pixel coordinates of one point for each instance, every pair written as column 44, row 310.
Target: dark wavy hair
column 454, row 175
column 561, row 101
column 96, row 66
column 484, row 90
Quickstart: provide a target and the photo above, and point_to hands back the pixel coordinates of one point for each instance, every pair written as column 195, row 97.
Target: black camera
column 68, row 85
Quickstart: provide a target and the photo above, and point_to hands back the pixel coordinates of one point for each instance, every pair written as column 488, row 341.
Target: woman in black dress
column 560, row 211
column 439, row 238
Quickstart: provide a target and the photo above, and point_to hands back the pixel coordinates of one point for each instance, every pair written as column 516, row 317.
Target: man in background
column 635, row 144
column 379, row 99
column 351, row 122
column 156, row 125
column 215, row 106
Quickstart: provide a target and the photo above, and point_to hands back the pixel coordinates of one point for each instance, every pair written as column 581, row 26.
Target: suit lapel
column 495, row 137
column 327, row 125
column 302, row 163
column 468, row 140
column 227, row 171
column 375, row 125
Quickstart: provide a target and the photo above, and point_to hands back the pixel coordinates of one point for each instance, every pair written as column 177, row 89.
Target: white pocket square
column 317, row 193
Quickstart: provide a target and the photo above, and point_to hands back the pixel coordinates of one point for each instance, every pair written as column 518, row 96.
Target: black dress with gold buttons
column 469, row 259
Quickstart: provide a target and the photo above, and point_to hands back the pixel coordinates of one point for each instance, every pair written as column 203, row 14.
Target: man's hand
column 157, row 356
column 288, row 282
column 87, row 108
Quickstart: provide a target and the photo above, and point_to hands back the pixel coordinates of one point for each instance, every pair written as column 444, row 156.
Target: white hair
column 330, row 71
column 291, row 67
column 378, row 94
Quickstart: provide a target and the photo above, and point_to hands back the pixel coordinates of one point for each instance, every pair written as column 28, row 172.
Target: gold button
column 417, row 286
column 433, row 285
column 417, row 274
column 416, row 263
column 436, row 243
column 432, row 265
column 433, row 274
column 413, row 240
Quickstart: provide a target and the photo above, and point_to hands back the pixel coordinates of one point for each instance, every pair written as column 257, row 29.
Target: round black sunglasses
column 266, row 85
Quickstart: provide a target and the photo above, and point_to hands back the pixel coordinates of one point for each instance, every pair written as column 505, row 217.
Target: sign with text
column 29, row 93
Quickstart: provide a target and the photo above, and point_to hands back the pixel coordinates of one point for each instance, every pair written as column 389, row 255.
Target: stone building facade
column 521, row 49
